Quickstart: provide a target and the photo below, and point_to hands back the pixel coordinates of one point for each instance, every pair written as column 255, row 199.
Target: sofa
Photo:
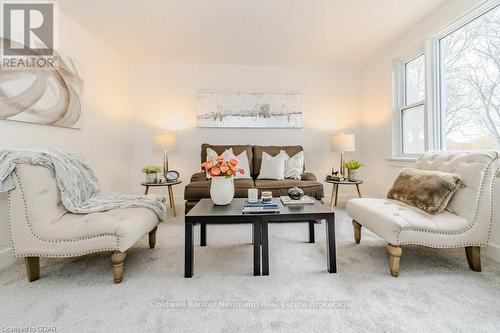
column 199, row 186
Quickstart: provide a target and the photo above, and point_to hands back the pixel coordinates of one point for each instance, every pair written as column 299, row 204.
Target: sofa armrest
column 198, row 177
column 309, row 176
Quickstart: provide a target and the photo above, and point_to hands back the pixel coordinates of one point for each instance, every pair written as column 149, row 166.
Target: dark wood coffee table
column 205, row 212
column 304, row 213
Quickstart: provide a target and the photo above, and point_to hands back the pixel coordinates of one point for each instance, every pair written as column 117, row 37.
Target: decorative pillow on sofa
column 243, row 163
column 294, row 166
column 228, row 154
column 273, row 167
column 427, row 190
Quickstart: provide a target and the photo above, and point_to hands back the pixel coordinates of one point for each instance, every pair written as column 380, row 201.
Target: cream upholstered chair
column 40, row 226
column 466, row 221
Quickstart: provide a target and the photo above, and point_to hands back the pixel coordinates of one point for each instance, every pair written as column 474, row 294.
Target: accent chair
column 40, row 226
column 466, row 222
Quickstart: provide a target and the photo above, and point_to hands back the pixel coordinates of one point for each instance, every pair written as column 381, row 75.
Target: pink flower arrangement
column 219, row 167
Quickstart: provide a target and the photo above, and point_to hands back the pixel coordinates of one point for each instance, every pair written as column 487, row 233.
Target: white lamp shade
column 165, row 142
column 343, row 142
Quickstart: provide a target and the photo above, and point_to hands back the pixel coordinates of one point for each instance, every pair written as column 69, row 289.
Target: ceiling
column 248, row 32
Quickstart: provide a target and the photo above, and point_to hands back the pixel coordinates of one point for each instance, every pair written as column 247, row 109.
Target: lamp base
column 341, row 169
column 162, row 178
column 165, row 161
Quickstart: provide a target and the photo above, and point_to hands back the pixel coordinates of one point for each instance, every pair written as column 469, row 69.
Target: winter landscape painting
column 249, row 110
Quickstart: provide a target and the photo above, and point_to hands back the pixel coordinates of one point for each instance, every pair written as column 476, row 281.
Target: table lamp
column 342, row 143
column 165, row 143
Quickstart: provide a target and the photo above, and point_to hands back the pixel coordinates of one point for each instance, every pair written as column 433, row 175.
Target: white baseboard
column 492, row 251
column 6, row 257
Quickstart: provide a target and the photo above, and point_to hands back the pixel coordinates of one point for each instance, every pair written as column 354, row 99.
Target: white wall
column 167, row 101
column 125, row 106
column 376, row 107
column 107, row 104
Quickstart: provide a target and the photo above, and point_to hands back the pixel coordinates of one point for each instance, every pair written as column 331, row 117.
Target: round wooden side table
column 335, row 188
column 169, row 191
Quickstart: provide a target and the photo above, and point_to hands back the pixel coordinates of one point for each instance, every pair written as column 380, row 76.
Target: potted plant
column 222, row 185
column 352, row 169
column 151, row 172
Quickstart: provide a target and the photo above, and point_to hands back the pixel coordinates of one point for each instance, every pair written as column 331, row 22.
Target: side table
column 335, row 188
column 169, row 191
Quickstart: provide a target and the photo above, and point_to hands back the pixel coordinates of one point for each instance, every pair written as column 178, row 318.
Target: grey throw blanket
column 77, row 182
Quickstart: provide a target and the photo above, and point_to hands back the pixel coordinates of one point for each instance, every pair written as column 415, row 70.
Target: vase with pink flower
column 222, row 174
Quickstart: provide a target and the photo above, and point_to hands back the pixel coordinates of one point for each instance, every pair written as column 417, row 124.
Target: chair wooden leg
column 473, row 254
column 152, row 238
column 357, row 231
column 118, row 259
column 395, row 252
column 32, row 268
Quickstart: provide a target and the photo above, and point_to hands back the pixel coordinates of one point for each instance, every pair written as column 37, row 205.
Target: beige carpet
column 436, row 291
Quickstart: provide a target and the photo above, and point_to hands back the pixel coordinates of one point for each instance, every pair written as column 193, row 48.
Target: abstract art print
column 47, row 97
column 249, row 110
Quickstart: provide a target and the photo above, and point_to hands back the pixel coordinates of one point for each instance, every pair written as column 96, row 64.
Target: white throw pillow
column 212, row 154
column 242, row 159
column 228, row 154
column 273, row 167
column 294, row 166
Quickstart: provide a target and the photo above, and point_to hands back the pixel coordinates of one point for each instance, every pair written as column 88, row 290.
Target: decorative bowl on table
column 295, row 193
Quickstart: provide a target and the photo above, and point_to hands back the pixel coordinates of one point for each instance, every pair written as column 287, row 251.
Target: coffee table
column 205, row 212
column 304, row 213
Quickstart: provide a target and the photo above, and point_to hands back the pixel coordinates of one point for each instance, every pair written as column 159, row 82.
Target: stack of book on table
column 260, row 207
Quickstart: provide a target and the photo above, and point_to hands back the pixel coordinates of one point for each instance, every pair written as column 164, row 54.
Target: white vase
column 222, row 190
column 151, row 178
column 352, row 174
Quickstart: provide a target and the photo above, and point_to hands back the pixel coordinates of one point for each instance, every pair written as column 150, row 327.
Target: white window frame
column 433, row 101
column 399, row 104
column 434, row 93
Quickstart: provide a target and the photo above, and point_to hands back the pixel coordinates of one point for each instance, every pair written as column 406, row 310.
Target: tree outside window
column 470, row 84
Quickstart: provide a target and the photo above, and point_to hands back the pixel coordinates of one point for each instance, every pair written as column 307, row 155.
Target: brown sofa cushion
column 309, row 176
column 273, row 151
column 237, row 149
column 281, row 187
column 197, row 190
column 200, row 176
column 428, row 190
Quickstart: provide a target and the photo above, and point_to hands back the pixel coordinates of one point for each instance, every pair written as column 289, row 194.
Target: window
column 449, row 97
column 470, row 84
column 411, row 107
column 415, row 80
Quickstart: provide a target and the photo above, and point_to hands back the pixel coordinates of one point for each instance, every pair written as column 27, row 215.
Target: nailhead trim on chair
column 11, row 239
column 48, row 240
column 463, row 231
